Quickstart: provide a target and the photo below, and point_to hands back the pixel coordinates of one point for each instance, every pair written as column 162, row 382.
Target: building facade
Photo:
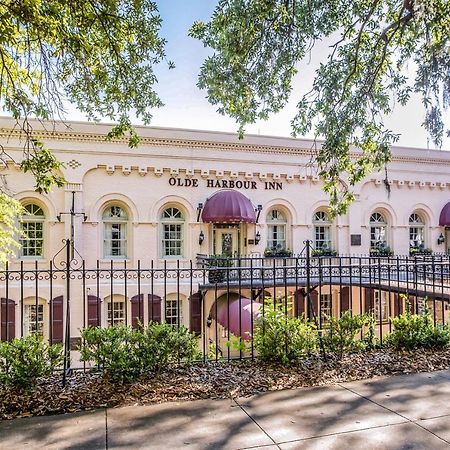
column 183, row 194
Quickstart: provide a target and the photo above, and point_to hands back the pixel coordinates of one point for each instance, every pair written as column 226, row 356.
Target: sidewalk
column 403, row 412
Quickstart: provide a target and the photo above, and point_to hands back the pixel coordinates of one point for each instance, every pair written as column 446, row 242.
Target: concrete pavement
column 402, row 412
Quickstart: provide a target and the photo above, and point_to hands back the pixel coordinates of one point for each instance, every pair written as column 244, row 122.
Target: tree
column 383, row 51
column 99, row 54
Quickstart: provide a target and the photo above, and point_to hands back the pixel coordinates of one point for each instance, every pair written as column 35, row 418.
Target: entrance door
column 226, row 241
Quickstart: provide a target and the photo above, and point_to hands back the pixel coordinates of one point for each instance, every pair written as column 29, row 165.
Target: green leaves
column 125, row 353
column 24, row 360
column 10, row 209
column 417, row 330
column 283, row 339
column 44, row 167
column 258, row 45
column 341, row 335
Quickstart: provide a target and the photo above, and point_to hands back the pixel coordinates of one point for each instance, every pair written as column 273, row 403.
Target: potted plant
column 323, row 252
column 419, row 250
column 381, row 250
column 216, row 265
column 277, row 251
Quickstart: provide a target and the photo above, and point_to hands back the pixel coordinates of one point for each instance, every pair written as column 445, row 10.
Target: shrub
column 23, row 360
column 414, row 330
column 162, row 344
column 339, row 335
column 124, row 353
column 112, row 349
column 283, row 339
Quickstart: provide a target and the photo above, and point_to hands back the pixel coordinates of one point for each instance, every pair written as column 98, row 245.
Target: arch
column 285, row 207
column 39, row 199
column 172, row 200
column 422, row 210
column 125, row 202
column 321, row 205
column 384, row 209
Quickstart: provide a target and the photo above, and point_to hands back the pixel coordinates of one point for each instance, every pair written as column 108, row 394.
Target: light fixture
column 258, row 210
column 257, row 237
column 199, row 211
column 201, row 238
column 441, row 239
column 209, row 321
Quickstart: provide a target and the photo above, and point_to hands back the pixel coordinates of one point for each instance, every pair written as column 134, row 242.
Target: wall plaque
column 355, row 239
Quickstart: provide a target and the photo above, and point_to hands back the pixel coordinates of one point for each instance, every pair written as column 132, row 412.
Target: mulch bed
column 90, row 390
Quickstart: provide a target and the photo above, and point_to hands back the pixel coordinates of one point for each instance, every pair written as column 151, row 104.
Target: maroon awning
column 228, row 206
column 239, row 311
column 444, row 218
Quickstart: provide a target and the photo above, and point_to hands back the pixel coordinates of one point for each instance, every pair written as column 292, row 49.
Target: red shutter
column 398, row 305
column 315, row 305
column 94, row 311
column 195, row 312
column 154, row 308
column 369, row 298
column 137, row 310
column 56, row 315
column 8, row 319
column 345, row 299
column 299, row 303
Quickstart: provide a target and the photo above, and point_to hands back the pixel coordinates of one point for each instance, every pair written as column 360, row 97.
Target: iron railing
column 217, row 298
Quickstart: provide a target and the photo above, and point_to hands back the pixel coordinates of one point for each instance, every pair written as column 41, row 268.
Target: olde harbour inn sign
column 225, row 184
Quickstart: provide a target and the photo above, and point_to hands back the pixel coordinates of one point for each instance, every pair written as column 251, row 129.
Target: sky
column 186, row 105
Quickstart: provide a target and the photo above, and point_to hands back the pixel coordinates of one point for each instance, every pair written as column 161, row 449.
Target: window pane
column 172, row 311
column 116, row 313
column 32, row 238
column 33, row 319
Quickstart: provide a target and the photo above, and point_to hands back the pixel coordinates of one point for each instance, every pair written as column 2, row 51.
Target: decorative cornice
column 72, row 136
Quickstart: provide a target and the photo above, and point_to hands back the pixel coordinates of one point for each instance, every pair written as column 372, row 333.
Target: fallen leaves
column 91, row 390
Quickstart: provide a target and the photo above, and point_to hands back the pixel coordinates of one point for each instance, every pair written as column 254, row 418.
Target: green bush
column 162, row 344
column 23, row 360
column 283, row 339
column 413, row 330
column 339, row 335
column 113, row 350
column 124, row 353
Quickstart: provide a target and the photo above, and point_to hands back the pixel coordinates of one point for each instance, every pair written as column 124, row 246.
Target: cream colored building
column 147, row 204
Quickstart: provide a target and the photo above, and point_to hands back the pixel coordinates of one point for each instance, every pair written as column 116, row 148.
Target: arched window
column 322, row 231
column 416, row 231
column 276, row 229
column 32, row 227
column 115, row 232
column 378, row 231
column 172, row 220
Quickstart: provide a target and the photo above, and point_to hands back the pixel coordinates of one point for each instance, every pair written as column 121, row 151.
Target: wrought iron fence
column 218, row 298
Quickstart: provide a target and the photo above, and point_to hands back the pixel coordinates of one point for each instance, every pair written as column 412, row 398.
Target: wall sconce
column 199, row 211
column 201, row 238
column 258, row 210
column 209, row 321
column 441, row 239
column 257, row 238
